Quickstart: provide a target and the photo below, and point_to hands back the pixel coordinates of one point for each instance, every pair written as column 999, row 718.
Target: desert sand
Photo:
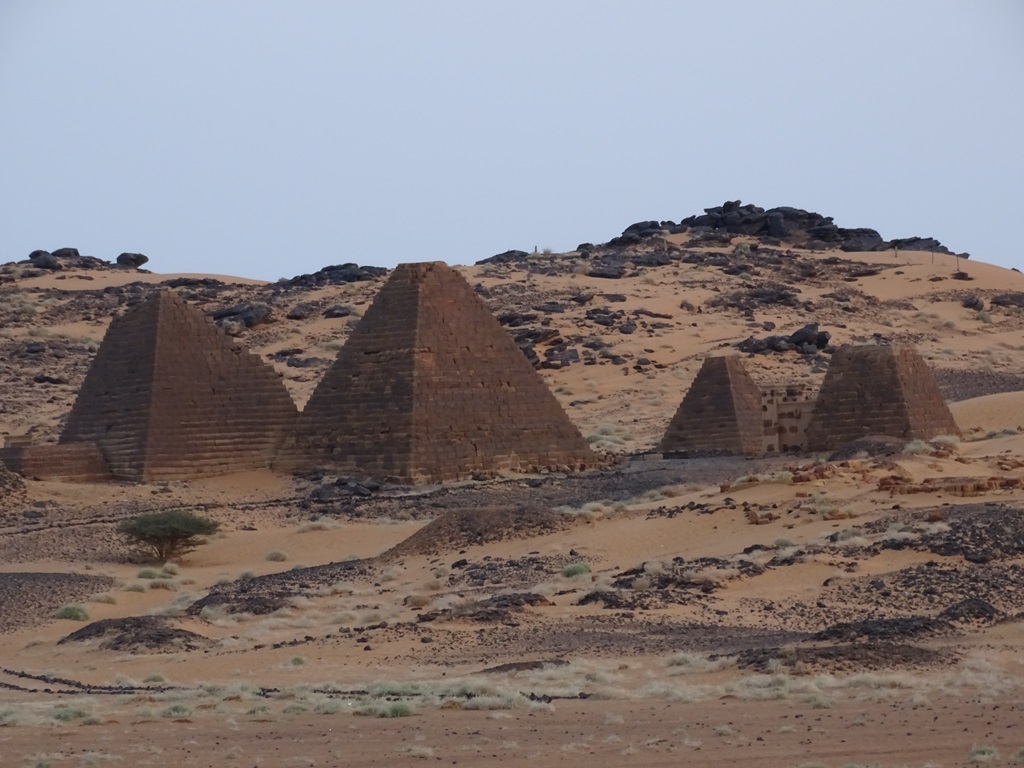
column 783, row 611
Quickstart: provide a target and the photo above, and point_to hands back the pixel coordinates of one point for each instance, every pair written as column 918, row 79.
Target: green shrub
column 330, row 707
column 575, row 569
column 386, row 709
column 168, row 535
column 66, row 713
column 72, row 611
column 983, row 753
column 276, row 556
column 917, row 447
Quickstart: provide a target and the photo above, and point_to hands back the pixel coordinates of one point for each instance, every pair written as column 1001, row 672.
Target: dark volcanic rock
column 980, row 534
column 550, row 307
column 300, row 312
column 854, row 657
column 757, row 295
column 607, row 270
column 807, row 341
column 134, row 260
column 798, row 226
column 1011, row 299
column 604, row 316
column 234, row 319
column 461, row 528
column 507, row 257
column 29, row 598
column 338, row 310
column 560, row 356
column 959, row 384
column 973, row 611
column 516, row 319
column 875, row 630
column 134, row 633
column 335, row 275
column 872, row 445
column 499, row 608
column 44, row 260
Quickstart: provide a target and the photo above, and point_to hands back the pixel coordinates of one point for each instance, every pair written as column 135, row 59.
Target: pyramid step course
column 869, row 390
column 878, row 390
column 429, row 387
column 720, row 413
column 169, row 396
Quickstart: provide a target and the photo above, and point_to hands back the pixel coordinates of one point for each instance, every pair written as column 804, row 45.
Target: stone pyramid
column 428, row 388
column 169, row 396
column 878, row 390
column 720, row 414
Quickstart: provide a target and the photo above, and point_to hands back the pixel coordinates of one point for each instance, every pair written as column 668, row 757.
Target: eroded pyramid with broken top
column 169, row 396
column 878, row 390
column 430, row 387
column 720, row 413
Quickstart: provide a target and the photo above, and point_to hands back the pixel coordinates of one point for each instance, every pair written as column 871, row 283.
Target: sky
column 269, row 139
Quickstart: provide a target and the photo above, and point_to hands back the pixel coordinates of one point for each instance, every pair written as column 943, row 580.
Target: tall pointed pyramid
column 720, row 414
column 878, row 390
column 430, row 387
column 169, row 396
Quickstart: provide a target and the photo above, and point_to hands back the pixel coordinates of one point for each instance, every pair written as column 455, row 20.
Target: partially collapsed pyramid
column 878, row 390
column 720, row 414
column 169, row 396
column 430, row 387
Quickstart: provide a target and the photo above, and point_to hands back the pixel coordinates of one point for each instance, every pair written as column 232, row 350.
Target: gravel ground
column 957, row 385
column 627, row 481
column 29, row 599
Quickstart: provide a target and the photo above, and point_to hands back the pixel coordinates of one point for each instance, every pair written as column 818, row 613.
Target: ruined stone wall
column 786, row 412
column 877, row 390
column 429, row 387
column 71, row 463
column 720, row 413
column 169, row 396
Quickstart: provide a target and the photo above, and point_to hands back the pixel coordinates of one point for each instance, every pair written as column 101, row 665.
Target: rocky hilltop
column 782, row 284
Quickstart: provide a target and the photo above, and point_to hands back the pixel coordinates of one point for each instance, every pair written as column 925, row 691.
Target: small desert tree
column 168, row 535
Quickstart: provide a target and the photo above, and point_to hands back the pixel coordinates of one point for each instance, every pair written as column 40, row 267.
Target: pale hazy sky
column 268, row 139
